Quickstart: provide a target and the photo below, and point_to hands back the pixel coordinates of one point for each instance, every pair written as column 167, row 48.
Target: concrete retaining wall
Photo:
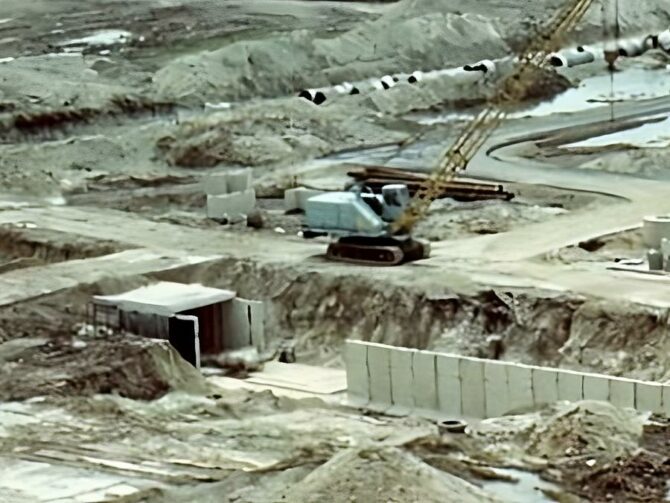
column 440, row 385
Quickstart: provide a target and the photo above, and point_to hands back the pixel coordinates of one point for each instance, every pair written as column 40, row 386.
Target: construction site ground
column 113, row 112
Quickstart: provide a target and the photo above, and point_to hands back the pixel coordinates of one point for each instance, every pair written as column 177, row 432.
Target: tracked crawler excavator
column 377, row 229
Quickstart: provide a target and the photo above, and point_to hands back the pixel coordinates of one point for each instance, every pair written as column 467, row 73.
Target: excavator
column 376, row 229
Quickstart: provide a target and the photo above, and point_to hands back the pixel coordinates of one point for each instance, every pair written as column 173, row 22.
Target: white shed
column 196, row 319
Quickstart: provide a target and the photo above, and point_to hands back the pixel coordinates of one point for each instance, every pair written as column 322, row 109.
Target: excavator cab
column 360, row 221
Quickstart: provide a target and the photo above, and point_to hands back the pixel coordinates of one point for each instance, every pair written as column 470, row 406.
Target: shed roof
column 166, row 298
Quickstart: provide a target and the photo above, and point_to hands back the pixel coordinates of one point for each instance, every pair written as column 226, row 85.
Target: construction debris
column 375, row 177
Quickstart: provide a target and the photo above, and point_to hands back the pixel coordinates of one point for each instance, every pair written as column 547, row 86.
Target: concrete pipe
column 415, row 77
column 316, row 97
column 664, row 40
column 484, row 66
column 651, row 42
column 580, row 56
column 238, row 180
column 654, row 229
column 488, row 66
column 344, row 88
column 574, row 57
column 558, row 60
column 631, row 48
column 307, row 94
column 387, row 82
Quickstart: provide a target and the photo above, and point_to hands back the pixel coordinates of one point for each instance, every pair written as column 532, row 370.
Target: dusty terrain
column 111, row 113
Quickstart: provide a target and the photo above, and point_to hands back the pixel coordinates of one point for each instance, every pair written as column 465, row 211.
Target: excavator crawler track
column 378, row 252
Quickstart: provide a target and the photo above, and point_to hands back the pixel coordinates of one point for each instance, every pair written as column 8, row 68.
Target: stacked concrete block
column 216, row 184
column 496, row 388
column 379, row 371
column 449, row 385
column 296, row 199
column 356, row 364
column 622, row 393
column 649, row 397
column 473, row 394
column 424, row 383
column 520, row 382
column 230, row 194
column 402, row 381
column 233, row 207
column 239, row 180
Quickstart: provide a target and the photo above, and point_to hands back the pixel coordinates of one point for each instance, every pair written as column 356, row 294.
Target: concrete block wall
column 230, row 194
column 233, row 206
column 440, row 385
column 227, row 182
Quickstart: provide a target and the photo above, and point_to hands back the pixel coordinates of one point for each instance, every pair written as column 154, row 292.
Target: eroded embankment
column 322, row 310
column 319, row 311
column 27, row 247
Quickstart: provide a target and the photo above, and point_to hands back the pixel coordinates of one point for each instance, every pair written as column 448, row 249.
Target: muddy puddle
column 634, row 84
column 526, row 487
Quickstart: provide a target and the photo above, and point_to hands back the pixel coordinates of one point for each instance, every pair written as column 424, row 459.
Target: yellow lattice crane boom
column 376, row 229
column 511, row 89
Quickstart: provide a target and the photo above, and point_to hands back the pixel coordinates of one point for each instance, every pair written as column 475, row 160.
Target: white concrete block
column 666, row 400
column 215, row 184
column 235, row 325
column 424, row 385
column 570, row 386
column 596, row 387
column 496, row 389
column 296, row 199
column 473, row 394
column 401, row 381
column 520, row 383
column 622, row 392
column 239, row 180
column 449, row 385
column 231, row 206
column 545, row 386
column 649, row 397
column 379, row 369
column 356, row 364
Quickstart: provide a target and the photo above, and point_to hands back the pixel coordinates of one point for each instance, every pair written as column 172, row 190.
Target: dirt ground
column 111, row 114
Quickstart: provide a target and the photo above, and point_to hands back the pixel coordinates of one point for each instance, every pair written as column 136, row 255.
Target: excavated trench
column 319, row 311
column 30, row 246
